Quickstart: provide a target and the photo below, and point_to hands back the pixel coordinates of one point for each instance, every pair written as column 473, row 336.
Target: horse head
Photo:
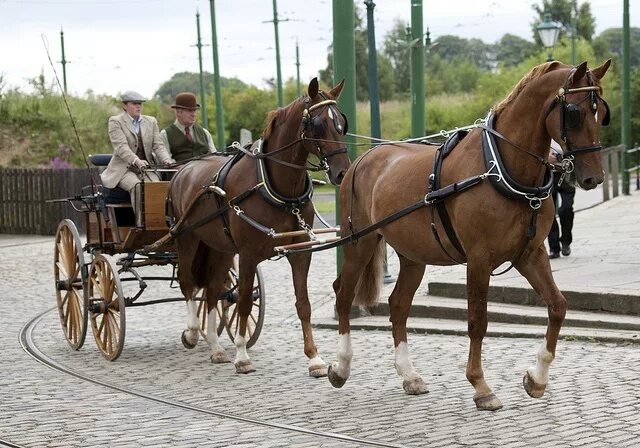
column 573, row 118
column 323, row 127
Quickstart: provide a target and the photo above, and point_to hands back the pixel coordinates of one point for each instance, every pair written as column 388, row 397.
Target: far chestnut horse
column 499, row 212
column 266, row 189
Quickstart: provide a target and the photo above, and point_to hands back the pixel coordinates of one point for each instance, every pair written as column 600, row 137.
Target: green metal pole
column 203, row 97
column 298, row 91
column 573, row 37
column 63, row 62
column 344, row 67
column 374, row 98
column 417, row 71
column 626, row 116
column 278, row 71
column 216, row 79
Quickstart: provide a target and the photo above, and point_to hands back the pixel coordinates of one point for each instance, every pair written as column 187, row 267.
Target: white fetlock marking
column 404, row 366
column 316, row 363
column 212, row 333
column 345, row 353
column 540, row 373
column 241, row 350
column 192, row 315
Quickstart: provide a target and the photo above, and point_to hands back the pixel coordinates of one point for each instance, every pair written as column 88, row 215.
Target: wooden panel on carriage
column 155, row 196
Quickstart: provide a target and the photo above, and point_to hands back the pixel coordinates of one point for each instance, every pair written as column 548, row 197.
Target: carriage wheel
column 229, row 309
column 106, row 306
column 70, row 274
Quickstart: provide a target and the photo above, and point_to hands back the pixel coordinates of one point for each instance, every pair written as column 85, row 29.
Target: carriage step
column 303, row 232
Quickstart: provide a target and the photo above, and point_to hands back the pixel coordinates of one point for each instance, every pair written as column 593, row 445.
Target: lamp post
column 549, row 32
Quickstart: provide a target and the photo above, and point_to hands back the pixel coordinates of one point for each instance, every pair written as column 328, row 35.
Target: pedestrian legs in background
column 560, row 236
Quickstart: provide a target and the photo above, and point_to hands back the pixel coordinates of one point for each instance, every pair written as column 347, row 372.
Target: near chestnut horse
column 503, row 217
column 267, row 188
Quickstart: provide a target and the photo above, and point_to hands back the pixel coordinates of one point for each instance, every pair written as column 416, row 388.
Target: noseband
column 570, row 114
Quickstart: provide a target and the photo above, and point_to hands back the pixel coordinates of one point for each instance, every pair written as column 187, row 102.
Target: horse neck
column 524, row 125
column 286, row 181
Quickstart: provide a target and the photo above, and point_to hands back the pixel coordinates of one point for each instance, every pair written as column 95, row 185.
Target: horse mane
column 535, row 73
column 277, row 116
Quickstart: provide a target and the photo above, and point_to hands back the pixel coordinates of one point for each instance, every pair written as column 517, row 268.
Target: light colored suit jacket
column 125, row 144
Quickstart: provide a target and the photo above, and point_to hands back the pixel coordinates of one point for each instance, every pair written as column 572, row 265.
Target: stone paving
column 593, row 399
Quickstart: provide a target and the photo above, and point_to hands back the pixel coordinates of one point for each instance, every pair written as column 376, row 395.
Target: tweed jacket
column 125, row 144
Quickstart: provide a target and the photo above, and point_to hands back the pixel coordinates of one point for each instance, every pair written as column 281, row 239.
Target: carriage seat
column 100, row 159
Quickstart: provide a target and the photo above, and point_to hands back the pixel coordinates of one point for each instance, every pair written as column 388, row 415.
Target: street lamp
column 549, row 32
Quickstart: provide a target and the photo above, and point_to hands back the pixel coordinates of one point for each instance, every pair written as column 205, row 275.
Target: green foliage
column 248, row 110
column 560, row 11
column 609, row 45
column 511, row 50
column 190, row 82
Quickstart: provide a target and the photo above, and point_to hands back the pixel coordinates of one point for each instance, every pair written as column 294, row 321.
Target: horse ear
column 313, row 88
column 600, row 71
column 337, row 90
column 581, row 70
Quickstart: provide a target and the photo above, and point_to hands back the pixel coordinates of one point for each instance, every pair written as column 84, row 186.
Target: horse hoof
column 488, row 403
column 220, row 357
column 244, row 367
column 188, row 341
column 318, row 370
column 415, row 386
column 335, row 380
column 534, row 389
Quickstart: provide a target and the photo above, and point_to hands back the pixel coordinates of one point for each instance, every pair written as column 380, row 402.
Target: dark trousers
column 565, row 193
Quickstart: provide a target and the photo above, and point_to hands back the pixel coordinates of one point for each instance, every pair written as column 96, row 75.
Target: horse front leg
column 409, row 279
column 300, row 269
column 535, row 267
column 478, row 274
column 244, row 305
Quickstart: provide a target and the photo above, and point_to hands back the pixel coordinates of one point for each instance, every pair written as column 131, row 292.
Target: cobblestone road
column 593, row 399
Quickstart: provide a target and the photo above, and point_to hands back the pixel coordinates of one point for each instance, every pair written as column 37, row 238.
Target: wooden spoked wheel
column 106, row 306
column 70, row 274
column 229, row 309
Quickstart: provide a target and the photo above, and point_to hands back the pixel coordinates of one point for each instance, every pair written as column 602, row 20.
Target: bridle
column 316, row 125
column 570, row 116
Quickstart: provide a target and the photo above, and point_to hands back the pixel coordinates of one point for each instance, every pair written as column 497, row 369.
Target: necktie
column 187, row 133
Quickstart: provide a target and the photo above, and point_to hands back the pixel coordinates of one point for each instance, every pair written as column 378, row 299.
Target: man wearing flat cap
column 185, row 138
column 136, row 145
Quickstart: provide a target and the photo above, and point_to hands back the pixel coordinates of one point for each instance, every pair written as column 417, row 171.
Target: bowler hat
column 131, row 96
column 186, row 100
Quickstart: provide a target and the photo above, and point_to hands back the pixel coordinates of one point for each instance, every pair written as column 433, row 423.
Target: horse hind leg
column 219, row 264
column 409, row 279
column 244, row 305
column 186, row 255
column 362, row 260
column 536, row 269
column 478, row 274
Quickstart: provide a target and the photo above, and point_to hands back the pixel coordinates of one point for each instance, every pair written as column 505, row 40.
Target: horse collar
column 266, row 189
column 500, row 178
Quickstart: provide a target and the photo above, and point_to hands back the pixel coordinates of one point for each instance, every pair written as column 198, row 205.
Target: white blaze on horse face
column 404, row 366
column 192, row 315
column 241, row 350
column 540, row 373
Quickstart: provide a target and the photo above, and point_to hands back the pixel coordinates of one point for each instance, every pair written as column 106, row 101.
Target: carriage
column 89, row 276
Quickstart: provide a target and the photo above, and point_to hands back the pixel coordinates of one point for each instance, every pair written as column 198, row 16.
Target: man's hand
column 553, row 157
column 141, row 164
column 169, row 162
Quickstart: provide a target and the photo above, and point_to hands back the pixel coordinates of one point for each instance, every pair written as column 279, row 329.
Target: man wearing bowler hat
column 136, row 145
column 185, row 138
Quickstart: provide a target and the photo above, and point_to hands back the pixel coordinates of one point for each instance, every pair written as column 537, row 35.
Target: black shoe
column 553, row 255
column 566, row 250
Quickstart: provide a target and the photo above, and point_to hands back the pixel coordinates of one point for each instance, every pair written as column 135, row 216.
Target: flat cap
column 132, row 96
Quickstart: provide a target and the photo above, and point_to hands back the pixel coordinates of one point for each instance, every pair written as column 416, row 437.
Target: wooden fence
column 23, row 196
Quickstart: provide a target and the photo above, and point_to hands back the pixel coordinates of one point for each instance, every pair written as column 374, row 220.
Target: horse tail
column 369, row 284
column 200, row 265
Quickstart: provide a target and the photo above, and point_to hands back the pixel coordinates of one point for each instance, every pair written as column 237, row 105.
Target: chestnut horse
column 267, row 189
column 489, row 221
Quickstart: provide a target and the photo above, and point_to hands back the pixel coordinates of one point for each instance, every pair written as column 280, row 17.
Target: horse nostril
column 590, row 183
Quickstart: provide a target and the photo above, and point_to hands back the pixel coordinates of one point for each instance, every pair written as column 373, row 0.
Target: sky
column 118, row 45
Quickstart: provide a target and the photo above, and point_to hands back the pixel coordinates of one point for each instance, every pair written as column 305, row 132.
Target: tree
column 396, row 50
column 511, row 50
column 190, row 82
column 609, row 43
column 560, row 11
